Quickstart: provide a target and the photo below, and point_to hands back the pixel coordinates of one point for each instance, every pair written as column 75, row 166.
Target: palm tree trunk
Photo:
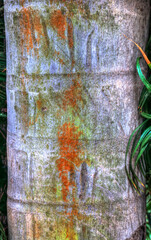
column 72, row 96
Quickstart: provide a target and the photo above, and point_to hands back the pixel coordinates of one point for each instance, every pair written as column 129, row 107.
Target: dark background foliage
column 3, row 125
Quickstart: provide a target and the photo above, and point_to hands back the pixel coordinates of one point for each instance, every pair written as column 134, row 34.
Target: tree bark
column 72, row 95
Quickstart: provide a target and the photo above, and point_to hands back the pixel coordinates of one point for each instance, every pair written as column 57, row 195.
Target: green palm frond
column 140, row 139
column 138, row 151
column 2, row 233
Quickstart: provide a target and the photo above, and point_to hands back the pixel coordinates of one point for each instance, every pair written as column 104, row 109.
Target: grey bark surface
column 78, row 78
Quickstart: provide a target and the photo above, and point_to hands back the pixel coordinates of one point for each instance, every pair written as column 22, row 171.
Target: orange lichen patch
column 70, row 232
column 39, row 104
column 30, row 123
column 38, row 27
column 71, row 41
column 30, row 24
column 26, row 29
column 38, row 227
column 72, row 95
column 33, row 121
column 56, row 52
column 68, row 138
column 22, row 2
column 58, row 23
column 61, row 61
column 70, row 34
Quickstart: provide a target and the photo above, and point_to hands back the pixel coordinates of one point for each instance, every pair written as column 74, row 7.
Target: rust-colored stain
column 70, row 149
column 22, row 2
column 70, row 34
column 38, row 227
column 39, row 104
column 38, row 26
column 26, row 29
column 30, row 33
column 29, row 25
column 72, row 95
column 67, row 164
column 70, row 146
column 61, row 61
column 71, row 152
column 71, row 41
column 58, row 23
column 56, row 52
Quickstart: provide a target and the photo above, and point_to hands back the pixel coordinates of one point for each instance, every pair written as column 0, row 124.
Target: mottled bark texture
column 72, row 94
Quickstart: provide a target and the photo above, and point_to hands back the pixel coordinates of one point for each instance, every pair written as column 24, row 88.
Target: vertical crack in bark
column 71, row 41
column 89, row 51
column 98, row 56
column 94, row 183
column 84, row 180
column 34, row 117
column 45, row 31
column 32, row 28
